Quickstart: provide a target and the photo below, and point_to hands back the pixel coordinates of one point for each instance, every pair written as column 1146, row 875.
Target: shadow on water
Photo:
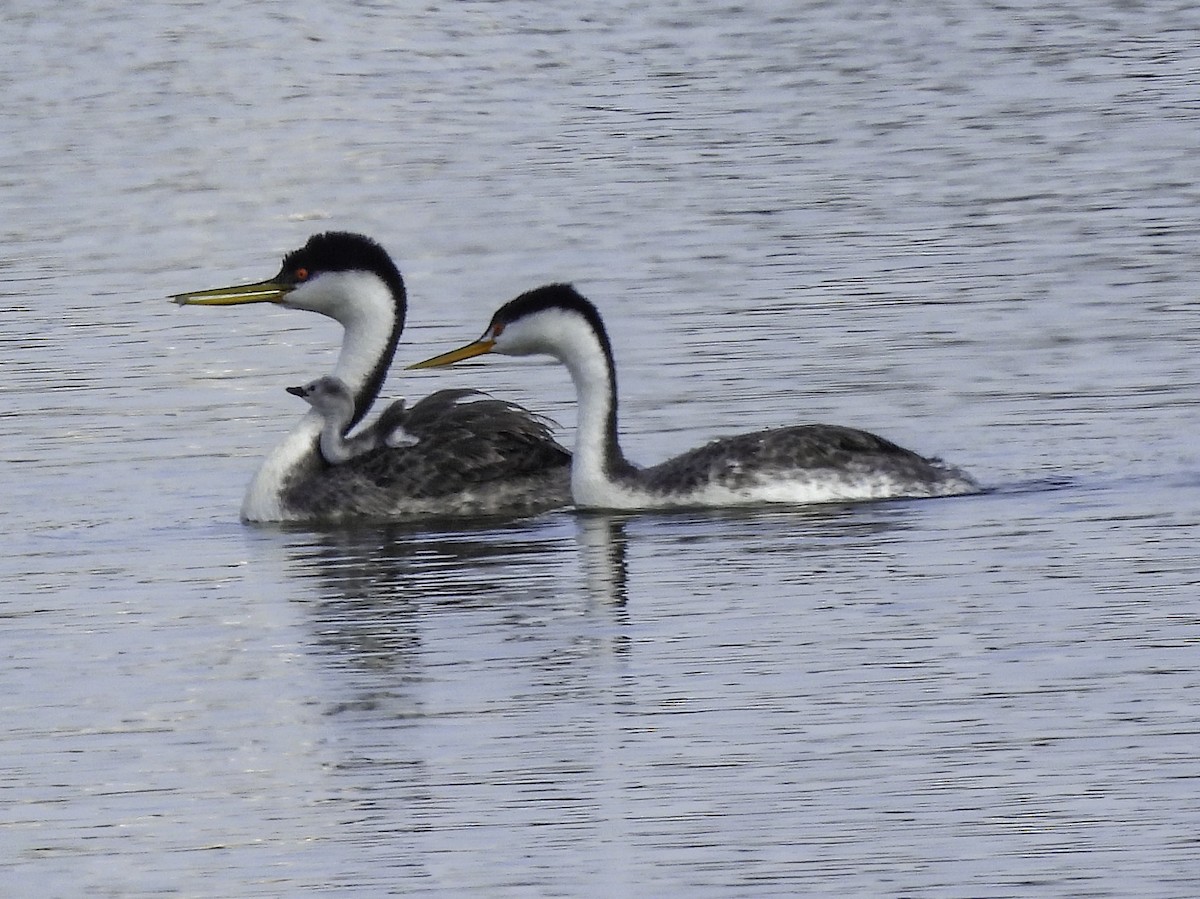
column 381, row 590
column 493, row 561
column 481, row 682
column 375, row 583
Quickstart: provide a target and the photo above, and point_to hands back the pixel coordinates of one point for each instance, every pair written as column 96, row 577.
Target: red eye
column 301, row 274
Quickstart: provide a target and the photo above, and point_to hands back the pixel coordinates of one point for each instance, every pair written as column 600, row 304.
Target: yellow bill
column 260, row 292
column 477, row 348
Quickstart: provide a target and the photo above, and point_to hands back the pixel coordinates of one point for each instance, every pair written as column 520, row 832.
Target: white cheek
column 315, row 296
column 341, row 295
column 540, row 334
column 515, row 344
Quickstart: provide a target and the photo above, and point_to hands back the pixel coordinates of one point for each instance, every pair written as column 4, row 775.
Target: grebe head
column 329, row 275
column 328, row 395
column 549, row 320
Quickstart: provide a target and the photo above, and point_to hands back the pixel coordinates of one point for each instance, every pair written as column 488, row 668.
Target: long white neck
column 597, row 455
column 595, row 437
column 368, row 342
column 367, row 347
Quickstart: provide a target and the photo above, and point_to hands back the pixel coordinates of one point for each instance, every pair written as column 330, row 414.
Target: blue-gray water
column 968, row 227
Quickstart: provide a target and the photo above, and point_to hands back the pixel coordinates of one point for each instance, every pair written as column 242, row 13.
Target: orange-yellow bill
column 259, row 292
column 476, row 348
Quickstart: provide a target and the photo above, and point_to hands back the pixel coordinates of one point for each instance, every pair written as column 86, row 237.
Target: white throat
column 368, row 319
column 571, row 340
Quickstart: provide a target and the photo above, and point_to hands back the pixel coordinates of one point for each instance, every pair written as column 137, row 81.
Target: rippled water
column 968, row 227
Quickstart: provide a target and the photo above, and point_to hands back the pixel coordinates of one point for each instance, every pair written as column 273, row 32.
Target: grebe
column 474, row 456
column 800, row 464
column 333, row 400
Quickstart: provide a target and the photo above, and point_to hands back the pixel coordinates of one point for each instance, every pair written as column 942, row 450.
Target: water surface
column 969, row 228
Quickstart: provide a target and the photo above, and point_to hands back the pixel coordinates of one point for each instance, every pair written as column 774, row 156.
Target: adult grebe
column 333, row 400
column 474, row 457
column 800, row 464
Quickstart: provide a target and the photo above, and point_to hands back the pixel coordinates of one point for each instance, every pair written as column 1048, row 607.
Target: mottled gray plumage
column 519, row 468
column 823, row 451
column 391, row 423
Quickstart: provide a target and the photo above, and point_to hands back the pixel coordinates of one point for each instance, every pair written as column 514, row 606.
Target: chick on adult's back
column 333, row 400
column 474, row 456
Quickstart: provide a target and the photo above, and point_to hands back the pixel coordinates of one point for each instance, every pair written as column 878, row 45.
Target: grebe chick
column 800, row 464
column 333, row 400
column 475, row 456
